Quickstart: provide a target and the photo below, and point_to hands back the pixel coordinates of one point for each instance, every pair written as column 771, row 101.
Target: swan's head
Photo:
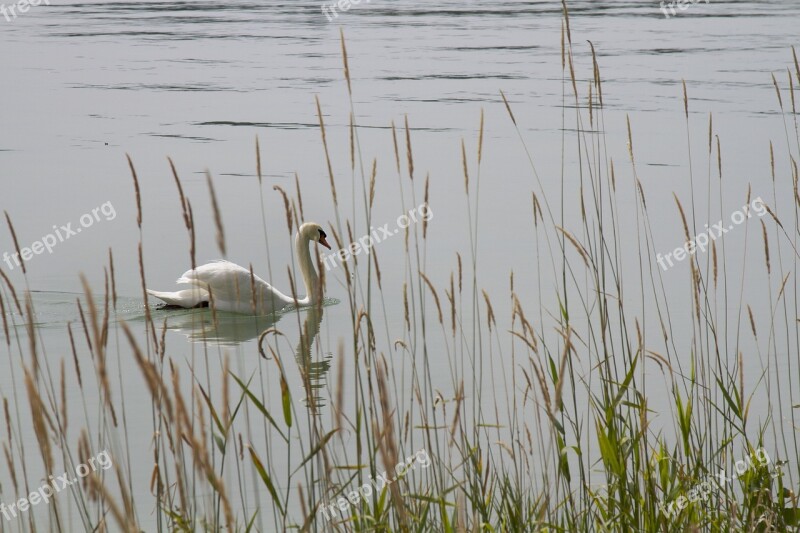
column 313, row 232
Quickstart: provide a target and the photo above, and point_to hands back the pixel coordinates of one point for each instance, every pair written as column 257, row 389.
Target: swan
column 230, row 285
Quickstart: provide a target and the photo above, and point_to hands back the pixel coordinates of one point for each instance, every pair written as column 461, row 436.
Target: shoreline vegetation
column 541, row 458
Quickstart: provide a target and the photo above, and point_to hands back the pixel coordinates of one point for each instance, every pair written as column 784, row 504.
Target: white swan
column 230, row 285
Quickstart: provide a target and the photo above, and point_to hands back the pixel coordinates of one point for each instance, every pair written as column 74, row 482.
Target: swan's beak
column 324, row 243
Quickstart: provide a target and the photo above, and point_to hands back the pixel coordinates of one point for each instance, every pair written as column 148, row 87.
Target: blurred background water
column 85, row 83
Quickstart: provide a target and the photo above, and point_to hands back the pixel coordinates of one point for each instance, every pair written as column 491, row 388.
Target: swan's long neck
column 310, row 277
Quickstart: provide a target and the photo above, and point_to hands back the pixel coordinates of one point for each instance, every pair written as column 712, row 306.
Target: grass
column 570, row 442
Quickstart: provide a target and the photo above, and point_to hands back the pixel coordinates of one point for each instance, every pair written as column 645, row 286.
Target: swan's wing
column 231, row 287
column 188, row 298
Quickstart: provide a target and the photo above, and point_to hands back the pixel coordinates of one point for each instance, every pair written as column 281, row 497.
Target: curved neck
column 310, row 277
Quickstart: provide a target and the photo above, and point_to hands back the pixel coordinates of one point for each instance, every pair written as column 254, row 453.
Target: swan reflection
column 224, row 329
column 313, row 370
column 232, row 329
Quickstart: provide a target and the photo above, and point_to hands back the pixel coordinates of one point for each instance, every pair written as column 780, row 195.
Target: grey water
column 83, row 84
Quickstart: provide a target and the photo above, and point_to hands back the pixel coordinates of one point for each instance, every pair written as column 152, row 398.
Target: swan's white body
column 230, row 287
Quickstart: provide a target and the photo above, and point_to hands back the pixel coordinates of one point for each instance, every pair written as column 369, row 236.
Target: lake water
column 84, row 84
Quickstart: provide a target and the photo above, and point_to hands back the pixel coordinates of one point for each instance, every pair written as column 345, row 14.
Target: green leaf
column 287, row 402
column 250, row 524
column 734, row 406
column 220, row 443
column 265, row 478
column 625, row 383
column 259, row 405
column 314, row 451
column 607, row 451
column 213, row 411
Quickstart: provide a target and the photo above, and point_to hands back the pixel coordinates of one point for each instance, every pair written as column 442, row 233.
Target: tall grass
column 564, row 437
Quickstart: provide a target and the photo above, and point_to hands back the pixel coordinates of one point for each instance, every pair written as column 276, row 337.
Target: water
column 86, row 83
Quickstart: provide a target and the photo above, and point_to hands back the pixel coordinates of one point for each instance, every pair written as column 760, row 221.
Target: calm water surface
column 85, row 83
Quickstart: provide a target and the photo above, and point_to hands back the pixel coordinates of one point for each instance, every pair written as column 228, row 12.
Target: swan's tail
column 188, row 298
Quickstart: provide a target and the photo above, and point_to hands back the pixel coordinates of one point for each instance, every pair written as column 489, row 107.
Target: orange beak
column 324, row 243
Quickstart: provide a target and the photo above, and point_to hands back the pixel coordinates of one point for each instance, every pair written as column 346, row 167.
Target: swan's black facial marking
column 322, row 239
